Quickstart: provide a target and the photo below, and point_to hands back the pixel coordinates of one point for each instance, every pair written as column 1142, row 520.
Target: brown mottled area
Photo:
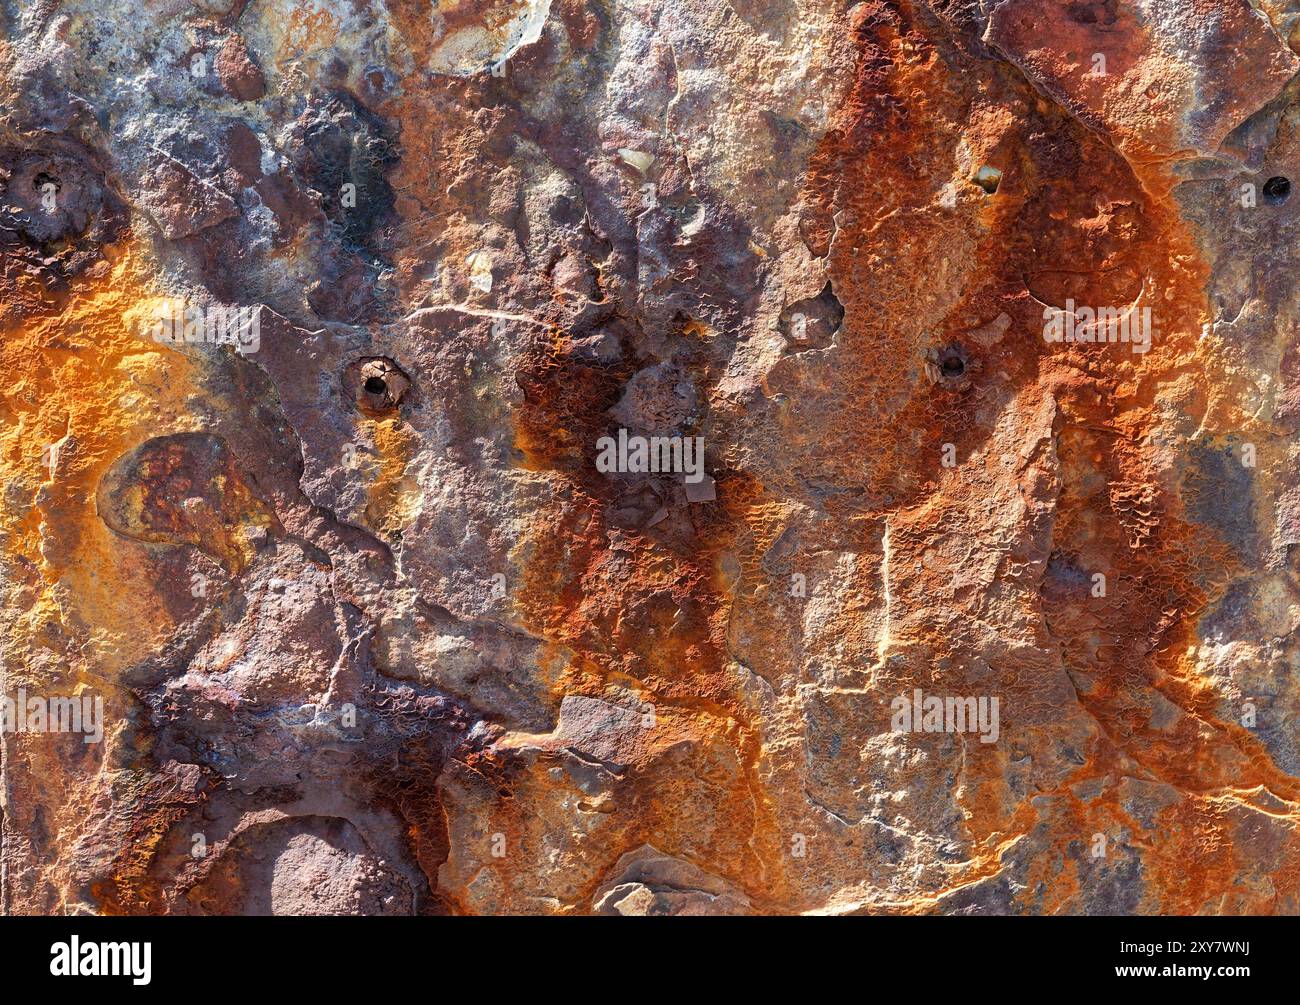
column 377, row 631
column 240, row 76
column 1164, row 79
column 181, row 488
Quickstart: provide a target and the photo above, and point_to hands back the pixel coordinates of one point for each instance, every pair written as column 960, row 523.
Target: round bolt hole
column 1277, row 190
column 953, row 366
column 376, row 384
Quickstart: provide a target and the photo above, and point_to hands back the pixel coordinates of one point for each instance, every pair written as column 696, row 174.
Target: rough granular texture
column 620, row 457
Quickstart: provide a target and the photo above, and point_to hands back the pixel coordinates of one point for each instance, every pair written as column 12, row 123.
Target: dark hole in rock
column 812, row 323
column 950, row 367
column 376, row 384
column 1277, row 190
column 988, row 178
column 26, row 177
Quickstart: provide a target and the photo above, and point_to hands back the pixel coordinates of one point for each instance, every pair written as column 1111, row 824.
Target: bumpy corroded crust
column 376, row 632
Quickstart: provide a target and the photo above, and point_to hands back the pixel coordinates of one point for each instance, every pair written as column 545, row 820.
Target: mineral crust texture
column 630, row 457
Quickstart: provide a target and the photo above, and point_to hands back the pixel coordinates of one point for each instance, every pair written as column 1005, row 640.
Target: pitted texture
column 375, row 634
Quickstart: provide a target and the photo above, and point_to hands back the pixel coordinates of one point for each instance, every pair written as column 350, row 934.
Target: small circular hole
column 1277, row 189
column 953, row 366
column 376, row 385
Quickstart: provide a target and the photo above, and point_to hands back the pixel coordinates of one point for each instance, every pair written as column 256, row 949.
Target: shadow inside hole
column 1277, row 190
column 812, row 323
column 988, row 178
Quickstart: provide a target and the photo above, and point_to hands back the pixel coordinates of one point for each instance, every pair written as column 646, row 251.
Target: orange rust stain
column 307, row 31
column 80, row 390
column 1171, row 569
column 633, row 613
column 393, row 494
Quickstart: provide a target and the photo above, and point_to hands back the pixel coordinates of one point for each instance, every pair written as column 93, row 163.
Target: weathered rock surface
column 313, row 317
